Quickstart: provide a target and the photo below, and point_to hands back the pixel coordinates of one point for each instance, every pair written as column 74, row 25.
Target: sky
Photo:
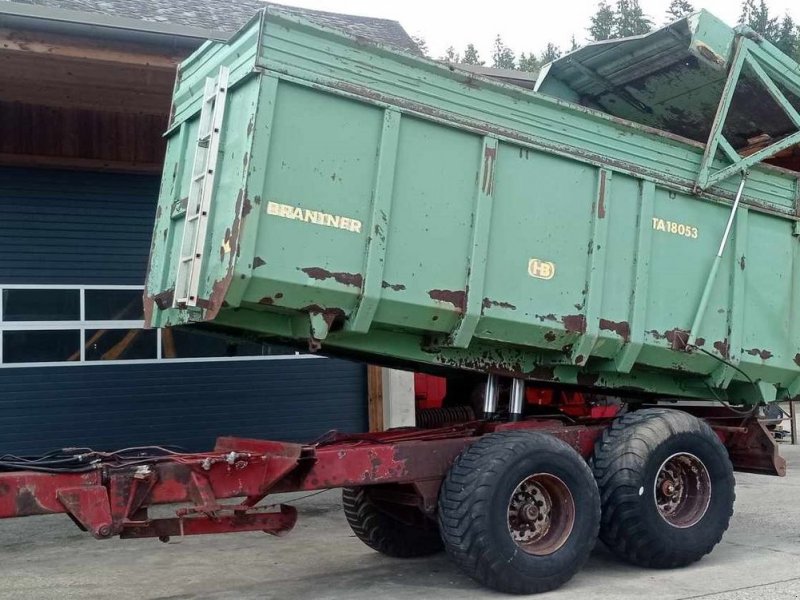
column 524, row 26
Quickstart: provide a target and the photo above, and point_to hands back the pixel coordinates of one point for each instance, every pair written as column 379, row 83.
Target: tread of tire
column 461, row 532
column 619, row 488
column 378, row 531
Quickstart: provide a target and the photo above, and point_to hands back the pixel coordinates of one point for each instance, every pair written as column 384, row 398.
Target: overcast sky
column 524, row 25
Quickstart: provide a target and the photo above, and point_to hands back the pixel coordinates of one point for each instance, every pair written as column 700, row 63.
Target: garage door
column 76, row 367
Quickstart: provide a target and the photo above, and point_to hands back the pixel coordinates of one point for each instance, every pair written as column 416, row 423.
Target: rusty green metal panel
column 378, row 203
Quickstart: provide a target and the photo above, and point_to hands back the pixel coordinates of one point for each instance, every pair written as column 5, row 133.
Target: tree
column 787, row 37
column 629, row 19
column 755, row 14
column 602, row 27
column 421, row 44
column 471, row 56
column 551, row 52
column 678, row 9
column 502, row 56
column 451, row 56
column 529, row 63
column 573, row 44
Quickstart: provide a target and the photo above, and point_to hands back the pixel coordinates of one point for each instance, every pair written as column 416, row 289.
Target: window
column 41, row 345
column 41, row 305
column 114, row 305
column 101, row 325
column 120, row 344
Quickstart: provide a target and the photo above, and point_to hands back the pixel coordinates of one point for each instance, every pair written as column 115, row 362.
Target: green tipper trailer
column 385, row 205
column 574, row 259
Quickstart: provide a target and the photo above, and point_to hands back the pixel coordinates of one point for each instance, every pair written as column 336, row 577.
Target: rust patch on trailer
column 258, row 262
column 550, row 336
column 25, row 503
column 601, row 197
column 622, row 328
column 163, row 300
column 488, row 303
column 677, row 338
column 268, row 300
column 574, row 323
column 457, row 298
column 723, row 347
column 351, row 279
column 489, row 158
column 742, row 263
column 543, row 318
column 397, row 287
column 220, row 287
column 763, row 354
column 251, row 124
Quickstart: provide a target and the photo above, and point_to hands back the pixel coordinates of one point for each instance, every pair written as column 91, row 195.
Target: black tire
column 401, row 533
column 627, row 461
column 474, row 504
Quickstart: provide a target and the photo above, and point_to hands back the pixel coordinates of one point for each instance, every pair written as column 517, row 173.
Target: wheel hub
column 541, row 514
column 682, row 490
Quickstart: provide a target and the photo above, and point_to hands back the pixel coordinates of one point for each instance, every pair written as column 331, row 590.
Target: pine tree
column 629, row 19
column 451, row 56
column 471, row 56
column 678, row 9
column 502, row 56
column 529, row 63
column 787, row 37
column 755, row 14
column 573, row 44
column 421, row 44
column 602, row 27
column 551, row 52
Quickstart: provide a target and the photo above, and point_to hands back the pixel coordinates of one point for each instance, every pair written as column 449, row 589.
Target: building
column 85, row 98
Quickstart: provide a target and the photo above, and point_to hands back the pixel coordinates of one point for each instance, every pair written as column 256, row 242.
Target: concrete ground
column 49, row 558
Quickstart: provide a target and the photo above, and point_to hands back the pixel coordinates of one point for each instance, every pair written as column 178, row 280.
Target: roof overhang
column 94, row 25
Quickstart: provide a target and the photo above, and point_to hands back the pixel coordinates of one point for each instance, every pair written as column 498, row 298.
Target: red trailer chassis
column 112, row 498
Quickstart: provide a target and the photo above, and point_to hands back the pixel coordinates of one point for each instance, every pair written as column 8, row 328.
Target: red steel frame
column 113, row 500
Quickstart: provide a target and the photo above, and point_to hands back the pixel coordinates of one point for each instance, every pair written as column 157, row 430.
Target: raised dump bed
column 320, row 187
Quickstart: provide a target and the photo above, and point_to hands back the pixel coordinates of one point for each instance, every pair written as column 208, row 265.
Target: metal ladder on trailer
column 201, row 188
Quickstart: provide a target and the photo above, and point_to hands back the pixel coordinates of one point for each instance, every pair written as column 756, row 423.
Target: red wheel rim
column 541, row 514
column 682, row 490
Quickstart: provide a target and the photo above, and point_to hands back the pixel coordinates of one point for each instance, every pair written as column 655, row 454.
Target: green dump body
column 378, row 204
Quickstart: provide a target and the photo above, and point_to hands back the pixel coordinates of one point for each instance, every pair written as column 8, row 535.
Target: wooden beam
column 375, row 397
column 51, row 45
column 91, row 164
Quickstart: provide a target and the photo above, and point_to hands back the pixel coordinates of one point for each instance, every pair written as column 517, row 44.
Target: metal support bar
column 712, row 275
column 768, row 69
column 490, row 396
column 722, row 115
column 517, row 400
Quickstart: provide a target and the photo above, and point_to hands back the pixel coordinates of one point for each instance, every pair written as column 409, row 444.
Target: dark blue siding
column 64, row 227
column 189, row 404
column 75, row 227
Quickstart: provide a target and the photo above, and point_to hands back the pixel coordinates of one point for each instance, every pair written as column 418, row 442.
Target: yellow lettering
column 541, row 269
